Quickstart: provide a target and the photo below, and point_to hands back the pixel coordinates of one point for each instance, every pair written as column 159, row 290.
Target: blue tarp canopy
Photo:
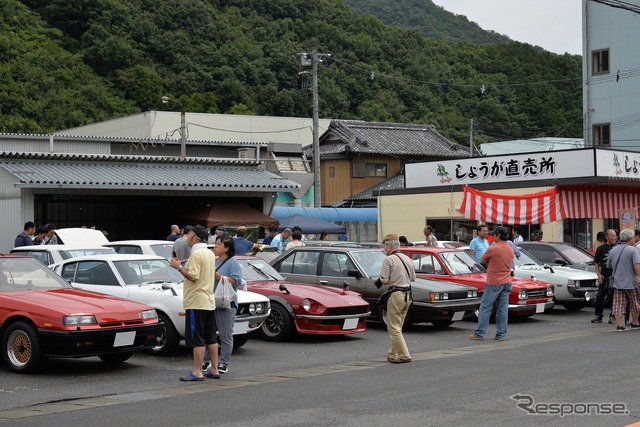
column 311, row 225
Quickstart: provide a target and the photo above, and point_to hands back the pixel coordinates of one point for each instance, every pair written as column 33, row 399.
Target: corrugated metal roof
column 329, row 214
column 121, row 175
column 6, row 155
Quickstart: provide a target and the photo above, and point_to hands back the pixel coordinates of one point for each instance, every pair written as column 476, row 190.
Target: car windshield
column 370, row 261
column 135, row 272
column 165, row 250
column 19, row 274
column 575, row 255
column 258, row 269
column 526, row 259
column 460, row 262
column 73, row 253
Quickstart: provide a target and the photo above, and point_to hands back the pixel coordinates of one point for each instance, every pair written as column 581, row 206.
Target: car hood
column 565, row 273
column 439, row 286
column 81, row 236
column 244, row 297
column 528, row 283
column 326, row 295
column 77, row 301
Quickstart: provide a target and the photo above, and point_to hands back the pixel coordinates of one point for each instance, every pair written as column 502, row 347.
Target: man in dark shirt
column 600, row 258
column 24, row 238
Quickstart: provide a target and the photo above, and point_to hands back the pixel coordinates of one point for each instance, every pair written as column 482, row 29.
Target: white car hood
column 244, row 297
column 565, row 273
column 81, row 236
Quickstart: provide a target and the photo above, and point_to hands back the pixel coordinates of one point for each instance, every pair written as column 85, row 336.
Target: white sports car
column 161, row 248
column 573, row 288
column 150, row 279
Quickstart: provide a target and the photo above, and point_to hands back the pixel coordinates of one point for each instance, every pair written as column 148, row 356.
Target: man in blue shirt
column 279, row 239
column 242, row 245
column 273, row 230
column 24, row 238
column 480, row 243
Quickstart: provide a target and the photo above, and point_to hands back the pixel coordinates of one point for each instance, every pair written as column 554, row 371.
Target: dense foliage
column 428, row 19
column 65, row 63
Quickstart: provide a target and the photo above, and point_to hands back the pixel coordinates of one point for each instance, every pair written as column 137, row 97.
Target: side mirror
column 354, row 273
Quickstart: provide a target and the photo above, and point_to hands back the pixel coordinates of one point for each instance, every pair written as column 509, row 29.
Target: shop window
column 600, row 61
column 369, row 170
column 602, row 135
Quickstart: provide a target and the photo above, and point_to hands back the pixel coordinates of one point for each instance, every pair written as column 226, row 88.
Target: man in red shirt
column 498, row 259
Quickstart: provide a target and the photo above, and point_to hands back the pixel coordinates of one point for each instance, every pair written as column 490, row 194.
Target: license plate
column 240, row 328
column 540, row 307
column 350, row 323
column 458, row 315
column 124, row 338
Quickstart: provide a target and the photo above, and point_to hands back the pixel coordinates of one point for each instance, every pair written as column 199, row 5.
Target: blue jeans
column 500, row 295
column 225, row 318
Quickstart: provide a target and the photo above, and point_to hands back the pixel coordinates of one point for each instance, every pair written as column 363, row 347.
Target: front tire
column 240, row 340
column 167, row 342
column 116, row 357
column 574, row 305
column 21, row 349
column 279, row 324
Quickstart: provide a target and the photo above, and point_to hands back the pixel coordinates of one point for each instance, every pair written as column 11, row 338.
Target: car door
column 300, row 266
column 334, row 269
column 93, row 275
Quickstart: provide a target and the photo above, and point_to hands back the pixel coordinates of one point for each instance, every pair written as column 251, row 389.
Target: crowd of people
column 32, row 235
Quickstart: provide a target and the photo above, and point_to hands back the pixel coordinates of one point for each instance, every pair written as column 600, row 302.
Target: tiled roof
column 194, row 176
column 347, row 136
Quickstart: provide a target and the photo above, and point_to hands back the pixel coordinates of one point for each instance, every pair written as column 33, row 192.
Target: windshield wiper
column 262, row 272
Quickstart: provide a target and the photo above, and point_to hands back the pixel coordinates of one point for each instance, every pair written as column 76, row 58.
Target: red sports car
column 303, row 308
column 42, row 316
column 527, row 297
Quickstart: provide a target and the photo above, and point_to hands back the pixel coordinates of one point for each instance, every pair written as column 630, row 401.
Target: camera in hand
column 378, row 283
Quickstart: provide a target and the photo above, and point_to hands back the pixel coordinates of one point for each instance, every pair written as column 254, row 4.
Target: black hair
column 296, row 235
column 323, row 235
column 229, row 244
column 28, row 225
column 481, row 226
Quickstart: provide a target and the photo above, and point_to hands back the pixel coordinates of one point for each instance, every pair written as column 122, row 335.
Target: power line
column 620, row 4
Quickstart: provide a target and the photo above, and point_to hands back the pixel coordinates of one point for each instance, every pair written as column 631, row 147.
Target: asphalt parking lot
column 552, row 358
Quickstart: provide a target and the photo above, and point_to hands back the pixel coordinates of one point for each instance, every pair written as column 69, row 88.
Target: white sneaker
column 222, row 368
column 206, row 366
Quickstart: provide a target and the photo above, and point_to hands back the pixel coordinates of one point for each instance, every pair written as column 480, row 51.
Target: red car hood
column 73, row 301
column 325, row 295
column 481, row 278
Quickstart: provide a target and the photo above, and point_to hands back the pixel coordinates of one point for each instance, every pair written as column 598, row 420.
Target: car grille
column 341, row 311
column 538, row 293
column 586, row 284
column 458, row 295
column 131, row 322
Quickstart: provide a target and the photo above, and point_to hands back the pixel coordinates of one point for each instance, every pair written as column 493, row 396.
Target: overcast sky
column 555, row 25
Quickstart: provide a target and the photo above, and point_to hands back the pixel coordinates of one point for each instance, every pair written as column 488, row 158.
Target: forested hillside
column 428, row 19
column 66, row 63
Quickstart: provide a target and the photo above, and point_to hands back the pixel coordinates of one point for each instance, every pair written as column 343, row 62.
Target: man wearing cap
column 398, row 272
column 498, row 259
column 199, row 304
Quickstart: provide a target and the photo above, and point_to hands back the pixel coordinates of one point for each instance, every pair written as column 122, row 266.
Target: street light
column 183, row 126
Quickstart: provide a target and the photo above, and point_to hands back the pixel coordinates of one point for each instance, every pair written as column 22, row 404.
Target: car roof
column 58, row 247
column 118, row 257
column 138, row 242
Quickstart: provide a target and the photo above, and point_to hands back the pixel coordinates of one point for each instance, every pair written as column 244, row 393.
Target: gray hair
column 395, row 244
column 626, row 234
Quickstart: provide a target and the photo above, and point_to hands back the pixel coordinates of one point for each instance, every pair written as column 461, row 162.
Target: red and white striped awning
column 534, row 208
column 548, row 206
column 597, row 202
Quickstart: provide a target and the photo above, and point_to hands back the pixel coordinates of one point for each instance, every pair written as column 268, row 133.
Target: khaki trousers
column 396, row 311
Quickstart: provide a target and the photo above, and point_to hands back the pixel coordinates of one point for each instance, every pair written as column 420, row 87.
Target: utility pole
column 312, row 59
column 471, row 139
column 317, row 192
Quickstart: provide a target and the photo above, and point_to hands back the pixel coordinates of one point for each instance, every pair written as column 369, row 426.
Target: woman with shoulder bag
column 227, row 268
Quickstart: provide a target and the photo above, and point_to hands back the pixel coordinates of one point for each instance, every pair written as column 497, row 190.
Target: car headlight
column 306, row 304
column 79, row 320
column 550, row 291
column 438, row 296
column 575, row 283
column 472, row 294
column 259, row 308
column 149, row 314
column 522, row 294
column 252, row 308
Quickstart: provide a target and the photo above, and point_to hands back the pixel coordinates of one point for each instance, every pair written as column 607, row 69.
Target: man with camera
column 397, row 272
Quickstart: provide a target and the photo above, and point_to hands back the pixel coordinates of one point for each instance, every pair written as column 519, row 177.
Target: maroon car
column 527, row 297
column 303, row 308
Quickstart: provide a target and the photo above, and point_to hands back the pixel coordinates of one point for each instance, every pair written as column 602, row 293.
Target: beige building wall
column 407, row 214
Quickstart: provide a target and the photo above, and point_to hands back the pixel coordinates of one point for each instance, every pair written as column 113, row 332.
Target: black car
column 440, row 303
column 559, row 253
